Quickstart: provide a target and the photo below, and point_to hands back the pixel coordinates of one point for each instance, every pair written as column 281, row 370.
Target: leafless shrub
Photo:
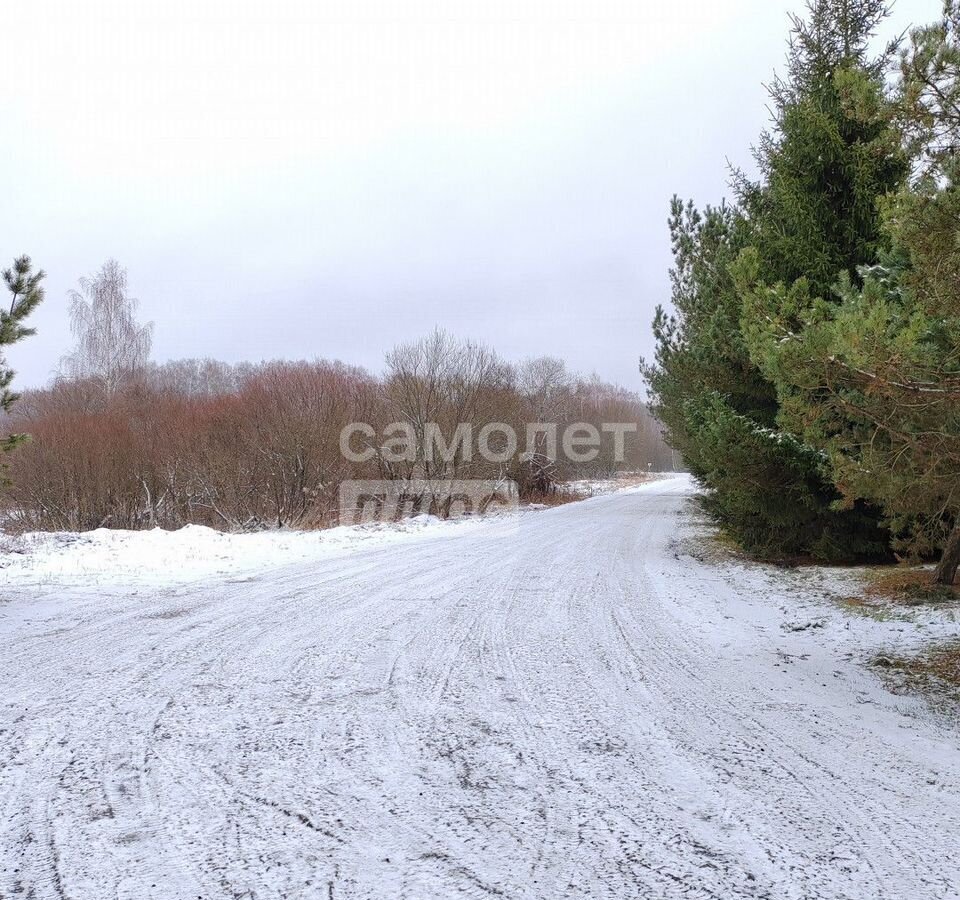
column 133, row 445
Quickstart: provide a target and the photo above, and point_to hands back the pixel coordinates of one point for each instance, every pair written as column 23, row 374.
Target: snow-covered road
column 569, row 705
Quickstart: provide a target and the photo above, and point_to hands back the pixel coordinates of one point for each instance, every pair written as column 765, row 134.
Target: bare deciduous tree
column 445, row 382
column 243, row 447
column 112, row 346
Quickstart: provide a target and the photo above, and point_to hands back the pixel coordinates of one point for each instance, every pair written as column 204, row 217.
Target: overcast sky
column 308, row 178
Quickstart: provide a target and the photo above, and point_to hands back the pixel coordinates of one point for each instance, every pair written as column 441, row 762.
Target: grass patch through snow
column 935, row 672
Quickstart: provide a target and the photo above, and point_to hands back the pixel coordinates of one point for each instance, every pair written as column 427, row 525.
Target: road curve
column 572, row 706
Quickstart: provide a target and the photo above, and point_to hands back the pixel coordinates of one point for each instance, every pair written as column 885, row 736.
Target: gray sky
column 305, row 178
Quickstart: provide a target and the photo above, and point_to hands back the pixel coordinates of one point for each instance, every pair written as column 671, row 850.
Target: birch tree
column 112, row 347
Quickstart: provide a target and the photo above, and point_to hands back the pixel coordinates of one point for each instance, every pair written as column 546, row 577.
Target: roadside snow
column 595, row 487
column 158, row 557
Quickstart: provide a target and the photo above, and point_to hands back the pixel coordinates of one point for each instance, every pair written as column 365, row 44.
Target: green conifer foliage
column 873, row 379
column 810, row 216
column 26, row 293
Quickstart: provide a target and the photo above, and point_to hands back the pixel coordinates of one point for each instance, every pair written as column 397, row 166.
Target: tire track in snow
column 561, row 709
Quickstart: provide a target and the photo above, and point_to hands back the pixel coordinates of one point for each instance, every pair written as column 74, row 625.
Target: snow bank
column 190, row 553
column 157, row 557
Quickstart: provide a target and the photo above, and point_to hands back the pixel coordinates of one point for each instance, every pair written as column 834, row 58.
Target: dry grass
column 567, row 492
column 891, row 593
column 935, row 673
column 634, row 479
column 556, row 498
column 908, row 587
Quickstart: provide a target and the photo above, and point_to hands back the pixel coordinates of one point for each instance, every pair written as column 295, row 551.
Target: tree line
column 117, row 440
column 809, row 370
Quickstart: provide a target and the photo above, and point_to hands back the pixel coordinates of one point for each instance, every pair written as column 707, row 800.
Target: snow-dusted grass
column 596, row 487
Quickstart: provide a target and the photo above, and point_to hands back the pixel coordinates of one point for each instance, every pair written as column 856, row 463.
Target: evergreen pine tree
column 25, row 294
column 832, row 152
column 812, row 215
column 874, row 379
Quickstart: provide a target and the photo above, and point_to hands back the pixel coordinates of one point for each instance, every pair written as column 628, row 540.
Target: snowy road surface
column 574, row 706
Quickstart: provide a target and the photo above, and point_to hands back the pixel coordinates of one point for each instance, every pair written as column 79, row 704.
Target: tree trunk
column 947, row 567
